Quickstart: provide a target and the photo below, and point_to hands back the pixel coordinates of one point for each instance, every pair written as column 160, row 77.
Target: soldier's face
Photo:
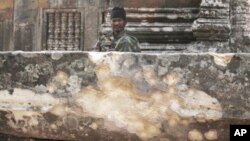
column 118, row 24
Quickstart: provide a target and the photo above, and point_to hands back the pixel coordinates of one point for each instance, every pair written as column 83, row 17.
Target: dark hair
column 118, row 12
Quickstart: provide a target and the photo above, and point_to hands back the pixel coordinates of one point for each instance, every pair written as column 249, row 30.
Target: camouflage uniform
column 123, row 43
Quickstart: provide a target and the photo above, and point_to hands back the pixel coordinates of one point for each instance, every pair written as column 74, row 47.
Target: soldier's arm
column 129, row 44
column 137, row 46
column 104, row 43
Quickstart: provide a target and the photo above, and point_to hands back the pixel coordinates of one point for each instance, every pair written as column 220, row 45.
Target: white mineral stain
column 171, row 79
column 21, row 99
column 115, row 99
column 61, row 79
column 51, row 88
column 149, row 75
column 211, row 135
column 94, row 126
column 63, row 109
column 53, row 126
column 200, row 104
column 23, row 103
column 97, row 56
column 222, row 59
column 195, row 135
column 18, row 116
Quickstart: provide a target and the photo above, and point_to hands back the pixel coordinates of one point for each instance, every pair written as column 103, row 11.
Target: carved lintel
column 213, row 23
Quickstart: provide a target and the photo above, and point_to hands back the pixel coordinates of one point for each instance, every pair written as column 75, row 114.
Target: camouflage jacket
column 122, row 43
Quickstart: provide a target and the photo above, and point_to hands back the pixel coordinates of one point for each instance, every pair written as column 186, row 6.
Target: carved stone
column 121, row 96
column 240, row 19
column 64, row 19
column 183, row 29
column 51, row 29
column 156, row 27
column 77, row 28
column 64, row 29
column 213, row 23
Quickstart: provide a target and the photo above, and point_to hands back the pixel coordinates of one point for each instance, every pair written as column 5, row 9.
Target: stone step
column 161, row 14
column 162, row 47
column 159, row 25
column 159, row 34
column 162, row 10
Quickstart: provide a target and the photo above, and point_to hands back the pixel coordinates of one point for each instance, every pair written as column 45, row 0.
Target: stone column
column 240, row 20
column 92, row 22
column 213, row 22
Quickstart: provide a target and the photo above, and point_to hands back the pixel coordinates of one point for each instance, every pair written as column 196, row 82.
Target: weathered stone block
column 123, row 96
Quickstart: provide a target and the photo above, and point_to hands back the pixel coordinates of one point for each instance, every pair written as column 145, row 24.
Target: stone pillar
column 213, row 22
column 6, row 25
column 25, row 25
column 240, row 18
column 92, row 10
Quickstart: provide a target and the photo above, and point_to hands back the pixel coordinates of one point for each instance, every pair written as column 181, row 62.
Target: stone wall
column 192, row 96
column 162, row 25
column 123, row 96
column 156, row 3
column 6, row 25
column 192, row 26
column 240, row 25
column 23, row 22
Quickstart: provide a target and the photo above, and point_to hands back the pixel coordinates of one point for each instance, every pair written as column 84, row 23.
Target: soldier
column 118, row 39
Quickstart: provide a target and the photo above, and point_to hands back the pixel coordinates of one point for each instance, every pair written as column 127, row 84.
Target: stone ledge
column 123, row 96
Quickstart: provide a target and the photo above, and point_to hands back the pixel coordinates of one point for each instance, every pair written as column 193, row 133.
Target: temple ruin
column 162, row 25
column 190, row 82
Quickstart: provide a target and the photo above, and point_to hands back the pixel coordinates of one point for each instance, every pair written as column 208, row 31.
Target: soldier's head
column 118, row 19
